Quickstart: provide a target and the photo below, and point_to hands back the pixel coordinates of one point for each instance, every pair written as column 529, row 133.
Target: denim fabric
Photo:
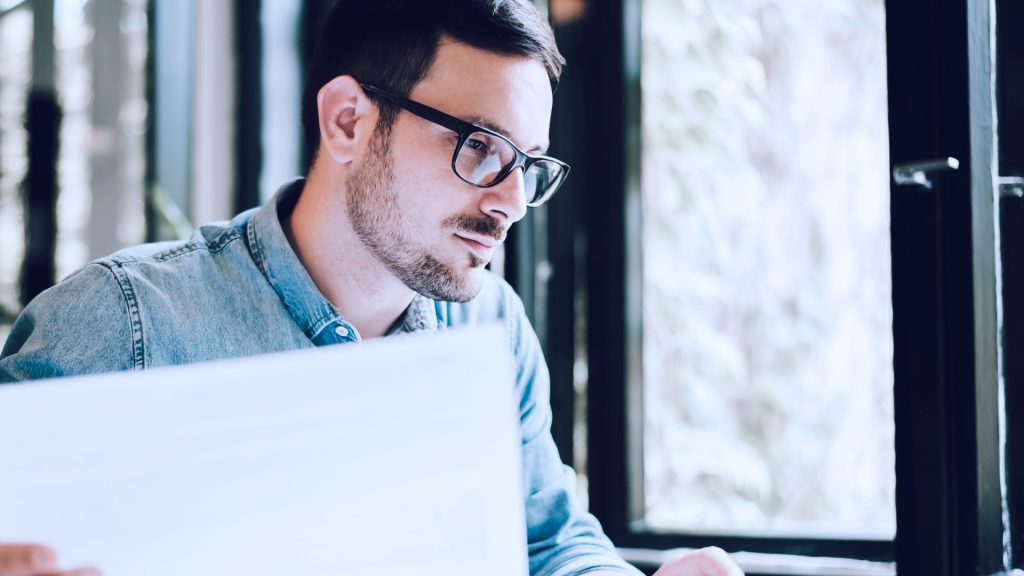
column 237, row 289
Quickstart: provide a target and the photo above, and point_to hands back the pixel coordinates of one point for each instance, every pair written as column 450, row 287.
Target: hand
column 35, row 560
column 704, row 562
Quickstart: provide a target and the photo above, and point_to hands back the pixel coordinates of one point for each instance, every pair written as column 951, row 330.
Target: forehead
column 512, row 93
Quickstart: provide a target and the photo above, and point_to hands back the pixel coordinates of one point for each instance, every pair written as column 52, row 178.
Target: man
column 430, row 120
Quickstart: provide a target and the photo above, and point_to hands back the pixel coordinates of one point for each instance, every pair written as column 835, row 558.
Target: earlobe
column 345, row 113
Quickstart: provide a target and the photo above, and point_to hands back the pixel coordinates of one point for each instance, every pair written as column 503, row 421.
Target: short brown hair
column 392, row 44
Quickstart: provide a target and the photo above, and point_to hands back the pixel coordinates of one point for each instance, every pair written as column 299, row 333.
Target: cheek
column 423, row 158
column 427, row 190
column 419, row 208
column 429, row 194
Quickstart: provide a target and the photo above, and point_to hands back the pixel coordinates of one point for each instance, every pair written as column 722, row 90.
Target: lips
column 481, row 250
column 478, row 242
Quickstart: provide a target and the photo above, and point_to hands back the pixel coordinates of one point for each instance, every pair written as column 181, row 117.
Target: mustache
column 481, row 225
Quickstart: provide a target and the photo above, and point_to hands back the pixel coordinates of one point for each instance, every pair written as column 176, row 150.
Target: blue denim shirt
column 237, row 289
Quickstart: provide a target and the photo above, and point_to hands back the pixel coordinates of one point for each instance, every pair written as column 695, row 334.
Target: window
column 766, row 340
column 748, row 241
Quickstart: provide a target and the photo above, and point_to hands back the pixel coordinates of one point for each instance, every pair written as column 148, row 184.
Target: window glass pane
column 767, row 325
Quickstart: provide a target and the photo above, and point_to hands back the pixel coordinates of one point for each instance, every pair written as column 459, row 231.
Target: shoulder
column 207, row 242
column 79, row 326
column 99, row 318
column 213, row 258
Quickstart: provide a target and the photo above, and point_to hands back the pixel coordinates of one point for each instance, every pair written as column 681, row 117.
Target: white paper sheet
column 398, row 456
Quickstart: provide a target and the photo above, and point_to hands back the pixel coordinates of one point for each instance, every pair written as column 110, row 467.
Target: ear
column 347, row 118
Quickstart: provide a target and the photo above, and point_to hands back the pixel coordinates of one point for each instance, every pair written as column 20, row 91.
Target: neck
column 362, row 288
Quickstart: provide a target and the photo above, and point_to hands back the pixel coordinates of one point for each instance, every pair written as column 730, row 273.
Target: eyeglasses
column 483, row 157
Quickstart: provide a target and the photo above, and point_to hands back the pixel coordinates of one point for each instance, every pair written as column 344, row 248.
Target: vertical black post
column 556, row 290
column 1010, row 77
column 249, row 125
column 38, row 270
column 42, row 120
column 602, row 58
column 149, row 176
column 1012, row 232
column 949, row 515
column 314, row 13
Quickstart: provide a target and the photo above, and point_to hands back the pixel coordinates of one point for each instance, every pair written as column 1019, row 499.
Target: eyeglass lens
column 483, row 157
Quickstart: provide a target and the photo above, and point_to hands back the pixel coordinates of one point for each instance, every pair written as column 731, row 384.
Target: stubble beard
column 377, row 220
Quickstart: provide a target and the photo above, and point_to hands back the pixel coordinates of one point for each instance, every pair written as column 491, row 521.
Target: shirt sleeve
column 80, row 326
column 563, row 539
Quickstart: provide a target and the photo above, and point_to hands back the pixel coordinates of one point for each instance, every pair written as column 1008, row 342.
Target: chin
column 465, row 288
column 441, row 281
column 474, row 282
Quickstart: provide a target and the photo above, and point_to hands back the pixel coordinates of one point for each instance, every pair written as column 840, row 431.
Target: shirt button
column 341, row 331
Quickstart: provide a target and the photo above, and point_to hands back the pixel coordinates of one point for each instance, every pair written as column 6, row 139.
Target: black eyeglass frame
column 465, row 130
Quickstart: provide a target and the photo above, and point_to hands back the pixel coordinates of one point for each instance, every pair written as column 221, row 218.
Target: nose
column 506, row 200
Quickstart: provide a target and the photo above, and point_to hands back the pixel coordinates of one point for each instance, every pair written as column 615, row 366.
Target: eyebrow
column 484, row 123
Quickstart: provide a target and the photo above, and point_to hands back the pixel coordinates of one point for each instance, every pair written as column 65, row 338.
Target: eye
column 477, row 145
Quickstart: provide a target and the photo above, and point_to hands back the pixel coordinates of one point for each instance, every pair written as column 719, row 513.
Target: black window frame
column 944, row 289
column 1010, row 102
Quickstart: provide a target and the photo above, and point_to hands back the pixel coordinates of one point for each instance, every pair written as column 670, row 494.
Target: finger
column 17, row 559
column 711, row 561
column 75, row 572
column 718, row 563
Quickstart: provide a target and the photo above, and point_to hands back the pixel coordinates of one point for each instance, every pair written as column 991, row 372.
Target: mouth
column 478, row 241
column 481, row 247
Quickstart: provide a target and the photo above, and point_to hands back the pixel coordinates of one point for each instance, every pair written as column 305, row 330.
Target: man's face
column 433, row 231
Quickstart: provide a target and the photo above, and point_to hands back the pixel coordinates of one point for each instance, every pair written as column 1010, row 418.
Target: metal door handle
column 1010, row 186
column 917, row 172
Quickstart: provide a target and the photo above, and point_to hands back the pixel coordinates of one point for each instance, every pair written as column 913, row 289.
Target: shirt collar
column 307, row 305
column 420, row 316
